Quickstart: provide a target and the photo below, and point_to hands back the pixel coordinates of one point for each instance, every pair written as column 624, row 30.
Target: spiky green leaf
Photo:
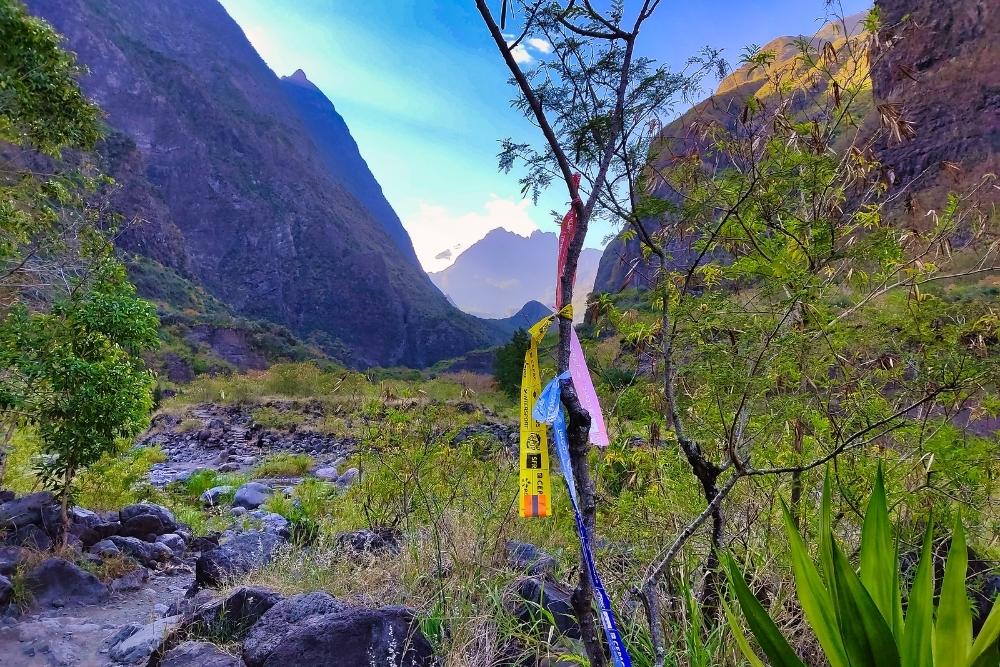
column 916, row 648
column 867, row 637
column 953, row 628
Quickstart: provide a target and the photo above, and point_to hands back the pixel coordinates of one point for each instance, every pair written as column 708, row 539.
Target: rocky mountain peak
column 299, row 77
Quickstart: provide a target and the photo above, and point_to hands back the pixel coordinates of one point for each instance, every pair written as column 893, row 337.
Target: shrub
column 858, row 616
column 283, row 464
column 268, row 417
column 117, row 479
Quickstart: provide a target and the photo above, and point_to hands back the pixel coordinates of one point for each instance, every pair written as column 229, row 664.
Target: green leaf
column 867, row 637
column 916, row 644
column 879, row 565
column 774, row 645
column 741, row 639
column 953, row 629
column 986, row 649
column 816, row 600
column 826, row 537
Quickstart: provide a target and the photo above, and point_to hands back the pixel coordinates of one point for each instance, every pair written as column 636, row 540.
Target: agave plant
column 858, row 616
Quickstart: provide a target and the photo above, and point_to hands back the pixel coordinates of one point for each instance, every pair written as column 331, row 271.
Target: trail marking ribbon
column 548, row 410
column 585, row 391
column 536, row 492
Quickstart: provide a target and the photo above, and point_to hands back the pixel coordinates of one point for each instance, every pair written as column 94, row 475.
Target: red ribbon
column 566, row 232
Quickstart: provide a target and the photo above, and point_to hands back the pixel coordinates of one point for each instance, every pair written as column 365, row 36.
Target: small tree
column 590, row 98
column 74, row 373
column 509, row 363
column 799, row 324
column 71, row 326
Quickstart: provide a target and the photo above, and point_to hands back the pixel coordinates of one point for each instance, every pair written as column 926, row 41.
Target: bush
column 118, row 479
column 283, row 464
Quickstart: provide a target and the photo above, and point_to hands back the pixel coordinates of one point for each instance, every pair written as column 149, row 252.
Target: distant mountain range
column 251, row 186
column 495, row 276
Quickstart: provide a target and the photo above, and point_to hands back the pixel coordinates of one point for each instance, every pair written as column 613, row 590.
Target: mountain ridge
column 235, row 192
column 502, row 271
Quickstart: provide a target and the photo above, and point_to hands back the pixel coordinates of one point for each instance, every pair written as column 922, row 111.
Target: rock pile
column 308, row 630
column 147, row 533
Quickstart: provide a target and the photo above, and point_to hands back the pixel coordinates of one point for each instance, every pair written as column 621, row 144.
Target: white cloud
column 540, row 45
column 521, row 54
column 435, row 229
column 529, row 49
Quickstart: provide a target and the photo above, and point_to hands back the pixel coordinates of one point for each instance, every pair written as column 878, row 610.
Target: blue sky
column 425, row 94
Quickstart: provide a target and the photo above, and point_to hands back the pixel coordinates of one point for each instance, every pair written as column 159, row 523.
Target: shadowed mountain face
column 498, row 274
column 341, row 156
column 252, row 186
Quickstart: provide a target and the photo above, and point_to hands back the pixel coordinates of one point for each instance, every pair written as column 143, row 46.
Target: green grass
column 283, row 464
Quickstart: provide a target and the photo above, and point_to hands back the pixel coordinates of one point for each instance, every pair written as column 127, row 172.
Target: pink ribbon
column 585, row 391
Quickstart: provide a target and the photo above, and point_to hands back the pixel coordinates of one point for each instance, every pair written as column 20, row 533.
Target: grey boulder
column 233, row 615
column 37, row 508
column 199, row 654
column 241, row 555
column 354, row 637
column 10, row 558
column 146, row 519
column 58, row 581
column 251, row 495
column 281, row 619
column 140, row 645
column 147, row 553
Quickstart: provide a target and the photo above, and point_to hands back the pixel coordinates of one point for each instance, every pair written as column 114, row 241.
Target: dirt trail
column 77, row 636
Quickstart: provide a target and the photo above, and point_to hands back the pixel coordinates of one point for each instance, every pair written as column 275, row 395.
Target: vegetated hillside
column 496, row 275
column 938, row 71
column 235, row 186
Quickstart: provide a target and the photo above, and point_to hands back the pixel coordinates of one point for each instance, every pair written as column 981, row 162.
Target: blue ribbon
column 548, row 409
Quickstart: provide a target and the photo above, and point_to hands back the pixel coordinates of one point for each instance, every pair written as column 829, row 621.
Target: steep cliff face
column 497, row 275
column 342, row 157
column 943, row 68
column 250, row 209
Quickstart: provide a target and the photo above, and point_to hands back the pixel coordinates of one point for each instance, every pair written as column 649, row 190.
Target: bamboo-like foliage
column 858, row 616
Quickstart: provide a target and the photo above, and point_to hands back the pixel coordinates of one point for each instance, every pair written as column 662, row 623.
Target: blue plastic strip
column 548, row 409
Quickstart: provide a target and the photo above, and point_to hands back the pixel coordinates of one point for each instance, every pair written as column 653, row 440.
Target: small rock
column 377, row 541
column 124, row 633
column 132, row 581
column 58, row 580
column 349, row 478
column 199, row 654
column 215, row 495
column 251, row 495
column 106, row 549
column 137, row 648
column 327, row 474
column 229, row 467
column 174, row 542
column 551, row 596
column 10, row 557
column 237, row 511
column 6, row 589
column 529, row 559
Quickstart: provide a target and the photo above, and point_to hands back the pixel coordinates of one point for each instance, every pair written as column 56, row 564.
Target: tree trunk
column 578, row 433
column 64, row 510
